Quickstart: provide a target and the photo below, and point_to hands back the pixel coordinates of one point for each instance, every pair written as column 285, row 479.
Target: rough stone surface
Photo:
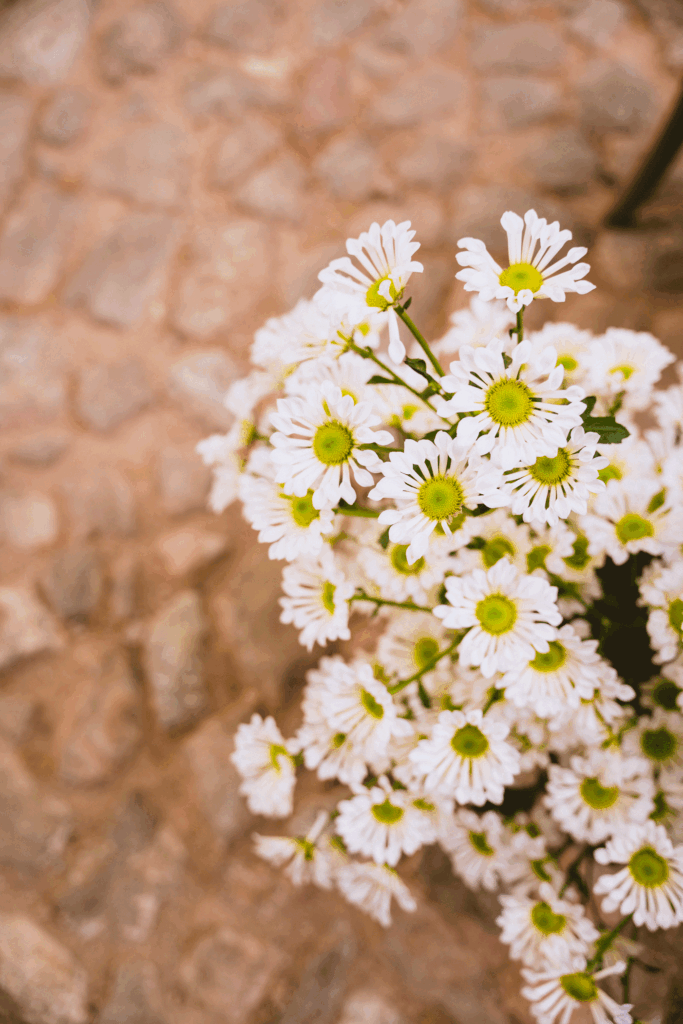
column 31, row 387
column 564, row 161
column 17, row 714
column 216, row 781
column 41, row 974
column 249, row 25
column 614, row 98
column 279, row 190
column 140, row 41
column 26, row 627
column 66, row 118
column 423, row 27
column 418, row 96
column 149, row 165
column 226, row 93
column 15, row 115
column 183, row 480
column 518, row 49
column 229, row 972
column 333, row 21
column 122, row 274
column 199, row 382
column 242, row 148
column 436, row 161
column 186, row 550
column 40, row 40
column 28, row 521
column 173, row 659
column 41, row 449
column 352, row 170
column 367, row 1007
column 326, row 102
column 33, row 242
column 102, row 729
column 110, row 393
column 598, row 21
column 135, row 996
column 100, row 503
column 73, row 582
column 519, row 101
column 34, row 827
column 319, row 996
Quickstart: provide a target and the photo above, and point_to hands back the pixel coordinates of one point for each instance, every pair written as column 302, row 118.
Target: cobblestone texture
column 171, row 174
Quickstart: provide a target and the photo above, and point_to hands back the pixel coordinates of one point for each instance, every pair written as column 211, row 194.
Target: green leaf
column 420, row 367
column 423, row 695
column 607, row 427
column 382, row 380
column 383, row 541
column 590, row 405
column 406, row 304
column 657, row 501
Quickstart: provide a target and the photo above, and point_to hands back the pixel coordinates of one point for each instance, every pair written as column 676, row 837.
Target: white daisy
column 632, row 515
column 384, row 824
column 659, row 738
column 386, row 257
column 551, row 547
column 599, row 794
column 573, row 347
column 530, row 274
column 631, row 457
column 672, row 473
column 466, row 757
column 225, row 454
column 668, row 407
column 662, row 589
column 664, row 691
column 509, row 616
column 651, row 885
column 330, row 753
column 557, row 991
column 496, row 536
column 480, row 849
column 372, row 888
column 317, row 444
column 570, row 671
column 291, row 525
column 630, row 362
column 267, row 770
column 409, row 644
column 433, row 482
column 305, row 332
column 553, row 488
column 475, row 326
column 349, row 372
column 303, row 860
column 591, row 720
column 520, row 410
column 545, row 928
column 316, row 599
column 399, row 580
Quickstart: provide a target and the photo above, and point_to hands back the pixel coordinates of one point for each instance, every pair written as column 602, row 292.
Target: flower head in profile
column 303, row 860
column 267, row 770
column 480, row 849
column 531, row 274
column 433, row 482
column 375, row 282
column 557, row 990
column 316, row 599
column 372, row 887
column 519, row 410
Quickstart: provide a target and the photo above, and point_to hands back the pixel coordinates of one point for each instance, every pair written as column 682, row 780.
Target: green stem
column 605, row 941
column 367, row 353
column 402, row 683
column 519, row 330
column 379, row 601
column 573, row 871
column 616, row 404
column 419, row 339
column 357, row 510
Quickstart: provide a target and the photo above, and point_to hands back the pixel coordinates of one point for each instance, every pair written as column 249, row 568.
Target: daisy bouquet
column 497, row 504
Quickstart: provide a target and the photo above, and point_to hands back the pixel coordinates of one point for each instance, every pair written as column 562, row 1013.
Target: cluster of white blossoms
column 519, row 550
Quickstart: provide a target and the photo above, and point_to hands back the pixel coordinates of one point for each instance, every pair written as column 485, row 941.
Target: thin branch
column 419, row 339
column 402, row 683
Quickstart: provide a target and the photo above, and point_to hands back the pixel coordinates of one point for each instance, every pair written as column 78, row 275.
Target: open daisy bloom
column 386, row 265
column 531, row 273
column 557, row 991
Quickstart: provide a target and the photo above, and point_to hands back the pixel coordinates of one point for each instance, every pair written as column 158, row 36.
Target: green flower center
column 496, row 613
column 332, row 443
column 440, row 498
column 509, row 402
column 303, row 512
column 597, row 796
column 424, row 805
column 478, row 841
column 579, row 986
column 535, row 559
column 276, row 752
column 495, row 549
column 306, row 846
column 676, row 614
column 568, row 362
column 521, row 276
column 328, row 597
column 338, row 739
column 373, row 297
column 658, row 744
column 470, row 742
column 552, row 471
column 546, row 921
column 400, row 562
column 664, row 694
column 552, row 659
column 386, row 813
column 633, row 527
column 609, row 473
column 580, row 559
column 540, row 871
column 371, row 705
column 625, row 370
column 425, row 650
column 662, row 809
column 648, row 868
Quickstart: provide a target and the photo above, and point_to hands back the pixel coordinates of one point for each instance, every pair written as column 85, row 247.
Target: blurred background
column 171, row 174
